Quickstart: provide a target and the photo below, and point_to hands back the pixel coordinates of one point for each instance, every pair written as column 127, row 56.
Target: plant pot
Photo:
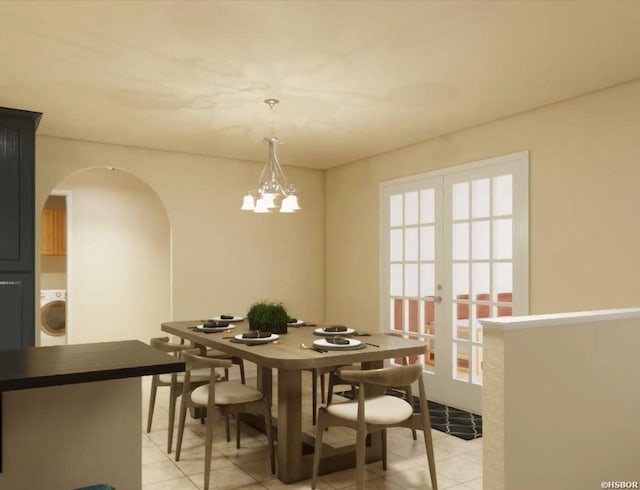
column 258, row 326
column 280, row 328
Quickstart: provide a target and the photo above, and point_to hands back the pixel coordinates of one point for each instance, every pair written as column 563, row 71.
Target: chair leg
column 314, row 395
column 152, row 401
column 242, row 377
column 360, row 457
column 268, row 421
column 226, row 427
column 173, row 396
column 208, row 443
column 409, row 394
column 183, row 416
column 226, row 374
column 330, row 388
column 318, row 447
column 426, row 430
column 238, row 420
column 383, row 436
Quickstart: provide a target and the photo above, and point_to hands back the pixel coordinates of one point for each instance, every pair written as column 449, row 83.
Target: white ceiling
column 355, row 78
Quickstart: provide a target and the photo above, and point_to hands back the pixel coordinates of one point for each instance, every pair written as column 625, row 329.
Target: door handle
column 435, row 299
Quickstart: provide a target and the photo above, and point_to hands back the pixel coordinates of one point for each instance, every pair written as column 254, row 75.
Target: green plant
column 268, row 316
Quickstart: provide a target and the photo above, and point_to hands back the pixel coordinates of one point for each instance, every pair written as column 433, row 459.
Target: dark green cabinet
column 17, row 232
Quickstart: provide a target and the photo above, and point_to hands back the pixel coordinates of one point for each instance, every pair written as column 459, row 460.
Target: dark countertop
column 36, row 367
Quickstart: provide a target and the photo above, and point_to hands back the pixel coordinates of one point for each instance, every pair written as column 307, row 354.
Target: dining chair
column 372, row 412
column 173, row 381
column 319, row 373
column 229, row 397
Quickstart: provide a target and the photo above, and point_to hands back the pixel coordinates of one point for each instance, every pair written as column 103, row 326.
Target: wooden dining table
column 295, row 448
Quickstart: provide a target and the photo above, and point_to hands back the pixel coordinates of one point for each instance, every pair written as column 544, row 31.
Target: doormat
column 458, row 423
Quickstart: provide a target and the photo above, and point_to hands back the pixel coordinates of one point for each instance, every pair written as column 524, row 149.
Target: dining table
column 289, row 356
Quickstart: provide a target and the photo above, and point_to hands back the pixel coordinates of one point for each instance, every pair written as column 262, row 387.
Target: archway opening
column 113, row 269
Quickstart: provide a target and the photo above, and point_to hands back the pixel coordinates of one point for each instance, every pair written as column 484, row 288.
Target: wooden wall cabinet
column 53, row 232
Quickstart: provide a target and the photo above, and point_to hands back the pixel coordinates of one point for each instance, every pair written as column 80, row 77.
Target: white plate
column 323, row 344
column 234, row 319
column 321, row 331
column 202, row 328
column 296, row 324
column 263, row 340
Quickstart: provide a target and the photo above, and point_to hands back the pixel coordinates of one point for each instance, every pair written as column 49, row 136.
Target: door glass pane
column 395, row 245
column 413, row 315
column 427, row 280
column 427, row 243
column 480, row 198
column 502, row 195
column 411, row 208
column 395, row 280
column 460, row 281
column 502, row 239
column 427, row 206
column 397, row 314
column 502, row 278
column 461, row 319
column 395, row 210
column 461, row 352
column 460, row 204
column 430, row 355
column 411, row 280
column 480, row 240
column 505, row 308
column 477, row 331
column 460, row 241
column 480, row 279
column 411, row 244
column 429, row 317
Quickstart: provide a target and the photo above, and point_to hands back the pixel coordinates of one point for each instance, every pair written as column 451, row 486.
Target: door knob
column 435, row 299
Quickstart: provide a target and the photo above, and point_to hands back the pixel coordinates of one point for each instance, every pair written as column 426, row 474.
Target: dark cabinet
column 17, row 198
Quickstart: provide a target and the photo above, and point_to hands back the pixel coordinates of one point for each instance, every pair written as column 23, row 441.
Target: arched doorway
column 115, row 270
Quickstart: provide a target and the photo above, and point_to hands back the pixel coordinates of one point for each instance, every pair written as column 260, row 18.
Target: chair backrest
column 163, row 344
column 194, row 361
column 388, row 377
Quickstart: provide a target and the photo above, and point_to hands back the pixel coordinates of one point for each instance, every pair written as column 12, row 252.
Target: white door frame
column 68, row 195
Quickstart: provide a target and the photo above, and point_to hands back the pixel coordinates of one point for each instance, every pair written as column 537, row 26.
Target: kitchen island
column 72, row 415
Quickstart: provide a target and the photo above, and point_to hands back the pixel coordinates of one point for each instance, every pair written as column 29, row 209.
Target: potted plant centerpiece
column 268, row 317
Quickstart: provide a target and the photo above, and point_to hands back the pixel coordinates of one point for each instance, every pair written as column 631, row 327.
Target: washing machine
column 53, row 317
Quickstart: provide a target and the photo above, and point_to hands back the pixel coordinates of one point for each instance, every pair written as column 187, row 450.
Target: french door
column 454, row 250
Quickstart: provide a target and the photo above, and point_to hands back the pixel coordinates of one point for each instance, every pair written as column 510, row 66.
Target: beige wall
column 119, row 260
column 584, row 175
column 222, row 259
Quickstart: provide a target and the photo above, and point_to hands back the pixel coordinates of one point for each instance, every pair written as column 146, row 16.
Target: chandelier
column 273, row 190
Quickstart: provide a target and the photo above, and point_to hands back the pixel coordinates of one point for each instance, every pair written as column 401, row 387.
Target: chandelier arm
column 280, row 178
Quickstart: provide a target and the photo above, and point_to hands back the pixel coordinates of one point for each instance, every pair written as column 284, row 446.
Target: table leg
column 290, row 464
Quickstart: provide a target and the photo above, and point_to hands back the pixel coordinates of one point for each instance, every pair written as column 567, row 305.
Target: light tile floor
column 458, row 462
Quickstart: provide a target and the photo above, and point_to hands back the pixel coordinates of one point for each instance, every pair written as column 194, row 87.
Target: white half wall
column 561, row 400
